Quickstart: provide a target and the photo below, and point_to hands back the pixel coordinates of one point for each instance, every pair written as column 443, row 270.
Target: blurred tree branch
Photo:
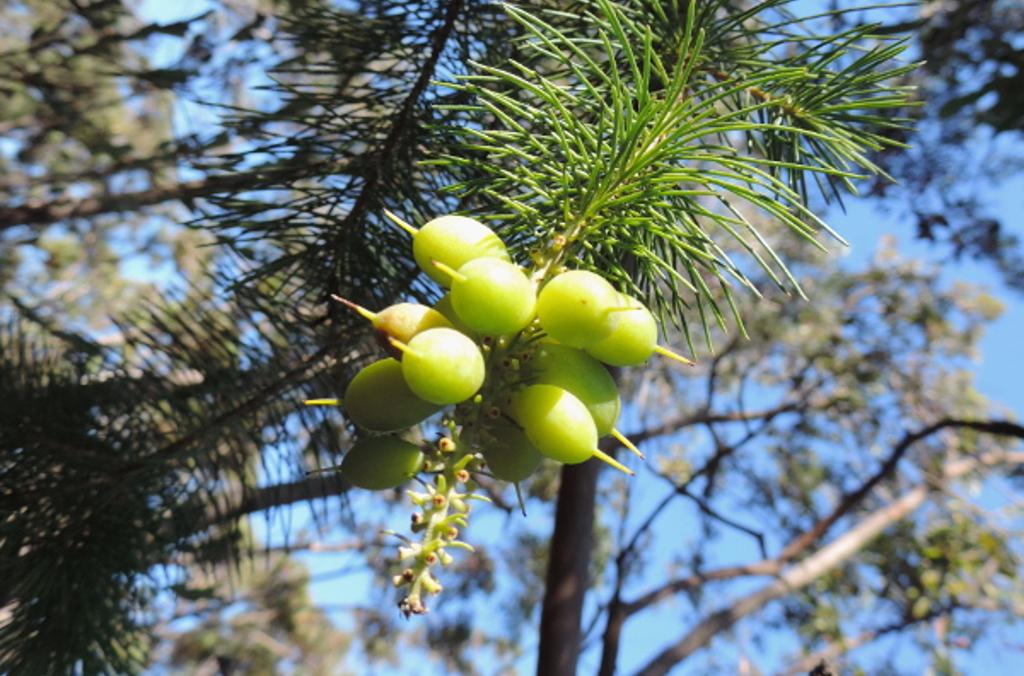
column 842, row 548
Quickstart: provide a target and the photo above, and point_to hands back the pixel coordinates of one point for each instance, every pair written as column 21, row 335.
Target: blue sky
column 999, row 375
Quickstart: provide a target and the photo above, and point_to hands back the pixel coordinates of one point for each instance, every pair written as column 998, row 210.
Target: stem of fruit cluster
column 557, row 250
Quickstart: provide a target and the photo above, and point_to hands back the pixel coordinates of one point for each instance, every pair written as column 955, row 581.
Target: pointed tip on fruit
column 321, row 402
column 400, row 223
column 363, row 312
column 448, row 270
column 321, row 470
column 399, row 345
column 622, row 439
column 604, row 457
column 519, row 497
column 665, row 352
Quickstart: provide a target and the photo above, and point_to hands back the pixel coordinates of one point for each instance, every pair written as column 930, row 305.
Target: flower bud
column 431, row 585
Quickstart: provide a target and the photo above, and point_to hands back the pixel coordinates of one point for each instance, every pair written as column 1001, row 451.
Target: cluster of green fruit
column 530, row 363
column 523, row 369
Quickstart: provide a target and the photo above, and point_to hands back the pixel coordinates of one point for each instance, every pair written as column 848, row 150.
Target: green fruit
column 556, row 422
column 401, row 321
column 442, row 366
column 578, row 308
column 509, row 454
column 492, row 296
column 377, row 463
column 584, row 377
column 378, row 399
column 454, row 241
column 444, row 306
column 633, row 339
column 404, row 320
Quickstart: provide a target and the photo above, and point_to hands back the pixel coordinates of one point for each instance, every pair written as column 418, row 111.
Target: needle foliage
column 653, row 136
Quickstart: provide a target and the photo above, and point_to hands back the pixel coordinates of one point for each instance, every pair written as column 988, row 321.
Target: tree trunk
column 568, row 565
